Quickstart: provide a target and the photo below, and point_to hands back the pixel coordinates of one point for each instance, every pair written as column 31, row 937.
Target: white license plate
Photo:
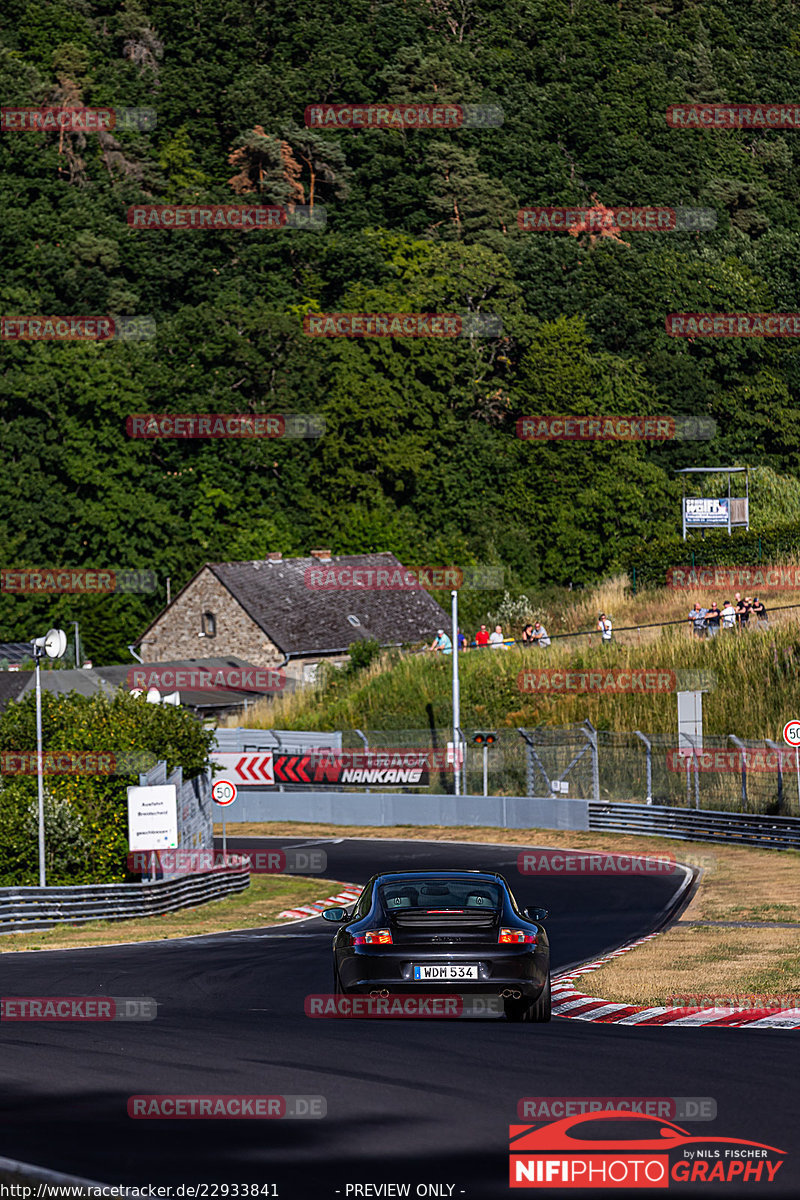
column 447, row 971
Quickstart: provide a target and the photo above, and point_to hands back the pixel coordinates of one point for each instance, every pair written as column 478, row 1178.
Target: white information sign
column 153, row 817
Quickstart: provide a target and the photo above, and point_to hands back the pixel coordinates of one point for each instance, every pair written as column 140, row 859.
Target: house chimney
column 322, row 555
column 274, row 556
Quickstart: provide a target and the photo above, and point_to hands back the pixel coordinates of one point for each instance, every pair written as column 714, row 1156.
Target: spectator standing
column 605, row 628
column 728, row 615
column 496, row 638
column 462, row 639
column 540, row 635
column 482, row 636
column 713, row 616
column 441, row 643
column 742, row 611
column 760, row 613
column 697, row 618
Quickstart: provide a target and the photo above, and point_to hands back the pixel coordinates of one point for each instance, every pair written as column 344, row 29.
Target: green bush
column 85, row 815
column 362, row 654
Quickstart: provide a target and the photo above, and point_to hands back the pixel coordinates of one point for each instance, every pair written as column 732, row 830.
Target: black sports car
column 444, row 931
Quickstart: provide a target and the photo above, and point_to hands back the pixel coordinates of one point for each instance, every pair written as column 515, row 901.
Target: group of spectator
column 747, row 613
column 744, row 613
column 533, row 634
column 443, row 643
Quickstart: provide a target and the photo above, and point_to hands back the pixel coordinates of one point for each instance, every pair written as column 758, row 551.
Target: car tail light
column 516, row 935
column 374, row 937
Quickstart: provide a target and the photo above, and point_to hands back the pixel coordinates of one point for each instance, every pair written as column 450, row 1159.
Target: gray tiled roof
column 87, row 682
column 306, row 620
column 207, row 698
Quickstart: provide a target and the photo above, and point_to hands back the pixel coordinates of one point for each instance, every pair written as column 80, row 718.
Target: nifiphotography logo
column 623, row 1149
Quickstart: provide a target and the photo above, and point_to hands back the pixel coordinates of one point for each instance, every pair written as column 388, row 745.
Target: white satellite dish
column 154, row 696
column 172, row 698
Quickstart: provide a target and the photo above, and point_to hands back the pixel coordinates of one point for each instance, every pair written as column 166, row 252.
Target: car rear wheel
column 517, row 1010
column 541, row 1009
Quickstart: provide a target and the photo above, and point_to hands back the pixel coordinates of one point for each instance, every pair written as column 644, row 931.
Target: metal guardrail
column 697, row 825
column 40, row 908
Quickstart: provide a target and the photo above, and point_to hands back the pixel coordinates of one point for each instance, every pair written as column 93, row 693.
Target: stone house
column 287, row 614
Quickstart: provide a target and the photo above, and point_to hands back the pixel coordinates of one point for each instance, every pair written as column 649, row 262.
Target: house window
column 353, row 620
column 209, row 624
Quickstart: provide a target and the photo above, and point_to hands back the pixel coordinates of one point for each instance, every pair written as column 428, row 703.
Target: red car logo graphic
column 621, row 1149
column 656, row 1134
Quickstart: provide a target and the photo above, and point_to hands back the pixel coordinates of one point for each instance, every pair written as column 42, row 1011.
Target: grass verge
column 267, row 896
column 738, row 884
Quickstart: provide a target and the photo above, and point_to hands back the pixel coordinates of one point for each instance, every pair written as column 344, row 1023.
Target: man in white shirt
column 539, row 635
column 496, row 638
column 728, row 615
column 605, row 627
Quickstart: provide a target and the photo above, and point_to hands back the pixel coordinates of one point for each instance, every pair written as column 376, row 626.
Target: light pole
column 54, row 646
column 456, row 695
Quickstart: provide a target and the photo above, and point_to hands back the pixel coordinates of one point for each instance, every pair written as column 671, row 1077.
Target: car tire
column 542, row 1009
column 517, row 1010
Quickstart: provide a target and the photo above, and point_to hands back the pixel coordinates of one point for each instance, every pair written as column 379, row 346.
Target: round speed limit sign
column 791, row 733
column 223, row 792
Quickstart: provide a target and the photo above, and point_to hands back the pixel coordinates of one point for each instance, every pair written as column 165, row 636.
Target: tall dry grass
column 756, row 688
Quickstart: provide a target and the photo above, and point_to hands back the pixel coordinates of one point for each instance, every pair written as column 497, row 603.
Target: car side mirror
column 537, row 913
column 335, row 914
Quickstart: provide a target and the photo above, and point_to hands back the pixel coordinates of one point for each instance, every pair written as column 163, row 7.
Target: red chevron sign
column 293, row 768
column 245, row 770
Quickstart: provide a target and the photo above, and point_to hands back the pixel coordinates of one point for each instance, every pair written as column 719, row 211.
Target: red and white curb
column 569, row 1002
column 348, row 895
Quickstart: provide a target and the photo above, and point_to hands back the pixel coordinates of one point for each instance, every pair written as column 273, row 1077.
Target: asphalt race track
column 408, row 1101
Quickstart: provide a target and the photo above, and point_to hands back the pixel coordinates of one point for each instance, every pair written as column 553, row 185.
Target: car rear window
column 429, row 895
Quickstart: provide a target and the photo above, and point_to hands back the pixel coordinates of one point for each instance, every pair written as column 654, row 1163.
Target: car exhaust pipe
column 381, row 992
column 510, row 994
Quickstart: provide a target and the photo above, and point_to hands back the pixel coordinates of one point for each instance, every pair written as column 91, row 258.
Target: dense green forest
column 420, row 454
